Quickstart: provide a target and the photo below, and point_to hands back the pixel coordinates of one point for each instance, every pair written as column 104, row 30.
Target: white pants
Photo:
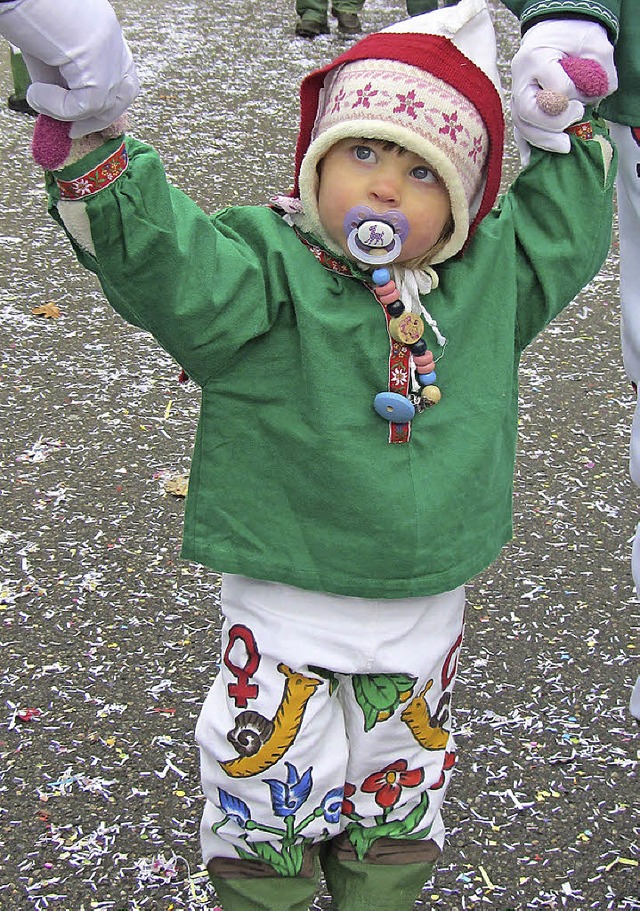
column 628, row 192
column 328, row 713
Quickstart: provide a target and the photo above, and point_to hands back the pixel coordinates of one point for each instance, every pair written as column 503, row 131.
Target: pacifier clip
column 376, row 240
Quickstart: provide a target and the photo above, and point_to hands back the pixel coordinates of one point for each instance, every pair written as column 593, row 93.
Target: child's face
column 363, row 171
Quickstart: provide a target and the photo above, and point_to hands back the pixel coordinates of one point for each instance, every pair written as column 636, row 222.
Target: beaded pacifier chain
column 376, row 240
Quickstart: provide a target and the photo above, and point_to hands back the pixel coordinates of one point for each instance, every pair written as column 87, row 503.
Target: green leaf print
column 326, row 675
column 362, row 837
column 287, row 863
column 379, row 695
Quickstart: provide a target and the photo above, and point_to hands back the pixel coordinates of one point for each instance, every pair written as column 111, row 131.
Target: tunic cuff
column 99, row 177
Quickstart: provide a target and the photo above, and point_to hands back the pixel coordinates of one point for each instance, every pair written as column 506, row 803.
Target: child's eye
column 422, row 172
column 364, row 153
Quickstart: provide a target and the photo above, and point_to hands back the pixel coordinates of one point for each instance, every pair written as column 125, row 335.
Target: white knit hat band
column 412, row 100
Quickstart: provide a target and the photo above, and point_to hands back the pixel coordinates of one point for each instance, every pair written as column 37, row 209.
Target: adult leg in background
column 417, row 7
column 311, row 18
column 17, row 101
column 627, row 140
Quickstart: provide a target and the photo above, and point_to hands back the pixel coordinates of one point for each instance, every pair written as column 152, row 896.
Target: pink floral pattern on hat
column 364, row 96
column 445, row 128
column 451, row 126
column 408, row 104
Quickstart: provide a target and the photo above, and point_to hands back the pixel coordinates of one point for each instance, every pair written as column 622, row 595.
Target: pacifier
column 374, row 238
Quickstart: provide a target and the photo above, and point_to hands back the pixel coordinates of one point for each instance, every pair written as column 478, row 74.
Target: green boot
column 357, row 885
column 279, row 893
column 311, row 18
column 308, row 27
column 245, row 885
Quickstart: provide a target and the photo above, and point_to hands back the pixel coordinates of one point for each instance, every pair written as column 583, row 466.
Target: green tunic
column 293, row 478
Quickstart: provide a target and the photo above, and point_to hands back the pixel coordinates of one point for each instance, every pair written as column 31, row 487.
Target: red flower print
column 447, row 765
column 387, row 785
column 408, row 104
column 451, row 126
column 348, row 807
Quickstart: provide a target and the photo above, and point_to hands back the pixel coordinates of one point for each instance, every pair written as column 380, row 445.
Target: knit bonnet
column 429, row 84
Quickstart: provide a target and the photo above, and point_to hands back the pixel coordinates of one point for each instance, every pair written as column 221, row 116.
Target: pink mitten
column 51, row 144
column 587, row 75
column 52, row 147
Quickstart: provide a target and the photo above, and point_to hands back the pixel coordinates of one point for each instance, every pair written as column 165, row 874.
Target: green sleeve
column 531, row 11
column 549, row 235
column 173, row 270
column 562, row 211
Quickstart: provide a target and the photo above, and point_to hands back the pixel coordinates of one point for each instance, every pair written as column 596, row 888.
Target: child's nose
column 386, row 189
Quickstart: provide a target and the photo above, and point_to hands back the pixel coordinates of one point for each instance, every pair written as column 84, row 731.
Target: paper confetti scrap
column 177, row 486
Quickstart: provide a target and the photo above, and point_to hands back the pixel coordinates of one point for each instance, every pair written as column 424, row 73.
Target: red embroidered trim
column 326, row 259
column 399, row 381
column 103, row 175
column 581, row 130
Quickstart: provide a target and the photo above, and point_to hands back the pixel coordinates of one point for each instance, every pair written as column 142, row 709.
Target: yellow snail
column 417, row 717
column 298, row 689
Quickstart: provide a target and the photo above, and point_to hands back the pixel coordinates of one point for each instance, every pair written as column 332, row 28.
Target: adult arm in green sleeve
column 606, row 12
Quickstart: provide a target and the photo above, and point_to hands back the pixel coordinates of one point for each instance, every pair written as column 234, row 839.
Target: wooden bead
column 407, row 328
column 431, row 395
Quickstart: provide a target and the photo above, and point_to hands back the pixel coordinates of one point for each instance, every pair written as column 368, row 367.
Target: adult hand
column 536, row 67
column 80, row 65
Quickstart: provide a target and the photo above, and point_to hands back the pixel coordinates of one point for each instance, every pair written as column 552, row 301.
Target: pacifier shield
column 375, row 238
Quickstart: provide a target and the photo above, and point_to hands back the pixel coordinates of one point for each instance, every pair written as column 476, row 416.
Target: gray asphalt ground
column 109, row 642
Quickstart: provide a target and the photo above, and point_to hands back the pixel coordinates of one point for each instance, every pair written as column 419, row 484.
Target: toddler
column 357, row 346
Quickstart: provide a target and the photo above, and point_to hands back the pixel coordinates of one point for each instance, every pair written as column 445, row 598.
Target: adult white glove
column 535, row 67
column 80, row 65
